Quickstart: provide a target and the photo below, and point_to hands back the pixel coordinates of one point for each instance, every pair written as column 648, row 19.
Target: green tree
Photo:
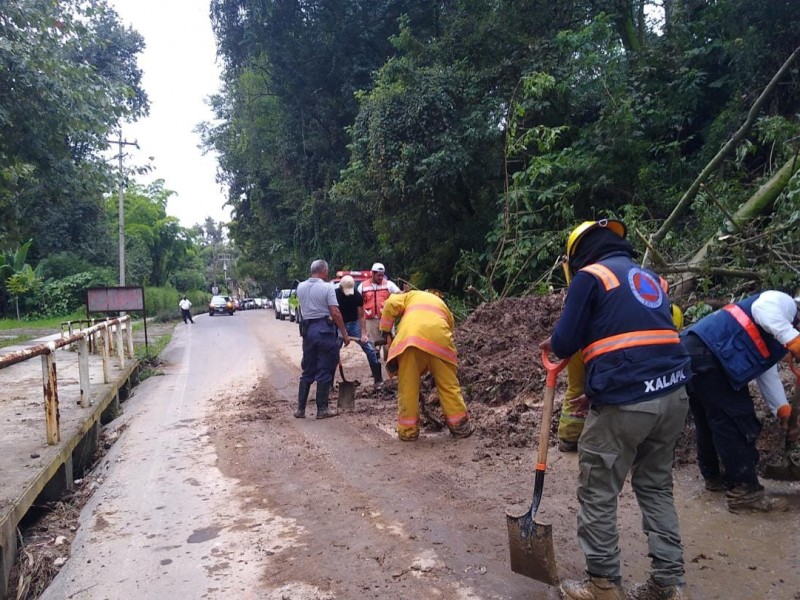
column 68, row 77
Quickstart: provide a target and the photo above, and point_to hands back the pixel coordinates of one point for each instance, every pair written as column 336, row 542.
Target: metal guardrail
column 106, row 330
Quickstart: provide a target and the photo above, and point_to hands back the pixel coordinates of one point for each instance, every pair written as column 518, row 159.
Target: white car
column 282, row 305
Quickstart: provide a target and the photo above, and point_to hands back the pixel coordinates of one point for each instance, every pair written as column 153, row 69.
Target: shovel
column 347, row 392
column 531, row 543
column 787, row 465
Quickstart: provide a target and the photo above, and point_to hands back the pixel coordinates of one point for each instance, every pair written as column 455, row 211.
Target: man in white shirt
column 185, row 306
column 375, row 291
column 729, row 348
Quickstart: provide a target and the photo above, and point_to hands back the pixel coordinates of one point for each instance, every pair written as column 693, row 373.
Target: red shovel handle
column 553, row 369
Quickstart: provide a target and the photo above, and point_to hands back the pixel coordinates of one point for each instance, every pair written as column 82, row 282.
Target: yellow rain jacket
column 426, row 324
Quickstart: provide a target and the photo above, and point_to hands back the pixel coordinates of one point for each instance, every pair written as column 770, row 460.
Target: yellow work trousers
column 570, row 424
column 413, row 363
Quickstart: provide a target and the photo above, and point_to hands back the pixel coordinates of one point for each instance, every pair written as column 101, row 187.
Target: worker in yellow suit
column 423, row 343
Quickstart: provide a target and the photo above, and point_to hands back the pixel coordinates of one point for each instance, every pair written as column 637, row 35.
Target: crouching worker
column 424, row 342
column 729, row 348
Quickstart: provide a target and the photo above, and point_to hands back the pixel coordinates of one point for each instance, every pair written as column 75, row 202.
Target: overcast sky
column 179, row 72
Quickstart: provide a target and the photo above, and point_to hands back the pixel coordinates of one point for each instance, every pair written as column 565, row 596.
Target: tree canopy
column 459, row 141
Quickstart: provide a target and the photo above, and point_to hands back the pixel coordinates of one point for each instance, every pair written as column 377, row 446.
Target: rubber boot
column 322, row 401
column 462, row 429
column 592, row 588
column 653, row 591
column 743, row 498
column 377, row 374
column 302, row 398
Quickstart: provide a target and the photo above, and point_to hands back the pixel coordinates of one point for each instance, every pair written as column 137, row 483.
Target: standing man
column 424, row 342
column 730, row 347
column 321, row 320
column 619, row 316
column 185, row 306
column 351, row 305
column 375, row 291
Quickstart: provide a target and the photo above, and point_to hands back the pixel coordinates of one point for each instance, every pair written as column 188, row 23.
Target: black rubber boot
column 377, row 373
column 322, row 401
column 302, row 398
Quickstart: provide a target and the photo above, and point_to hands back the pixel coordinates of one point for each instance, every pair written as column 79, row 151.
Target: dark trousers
column 725, row 420
column 187, row 316
column 320, row 352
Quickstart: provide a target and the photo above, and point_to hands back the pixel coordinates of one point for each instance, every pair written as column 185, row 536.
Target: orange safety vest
column 374, row 298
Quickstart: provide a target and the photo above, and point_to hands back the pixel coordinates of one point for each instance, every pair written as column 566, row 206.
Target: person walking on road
column 321, row 321
column 729, row 348
column 424, row 342
column 619, row 316
column 351, row 305
column 186, row 312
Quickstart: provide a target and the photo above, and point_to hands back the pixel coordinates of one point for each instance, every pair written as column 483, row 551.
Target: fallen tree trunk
column 758, row 203
column 715, row 162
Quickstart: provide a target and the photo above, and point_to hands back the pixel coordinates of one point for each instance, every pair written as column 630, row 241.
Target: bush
column 59, row 297
column 162, row 302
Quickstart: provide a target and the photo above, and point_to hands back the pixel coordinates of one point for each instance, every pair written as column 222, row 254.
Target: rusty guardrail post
column 83, row 371
column 50, row 386
column 120, row 346
column 129, row 337
column 105, row 339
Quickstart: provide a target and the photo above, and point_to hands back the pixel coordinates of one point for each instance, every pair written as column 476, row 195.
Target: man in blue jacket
column 619, row 316
column 730, row 347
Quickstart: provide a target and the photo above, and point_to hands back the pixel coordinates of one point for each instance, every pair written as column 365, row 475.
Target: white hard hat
column 378, row 267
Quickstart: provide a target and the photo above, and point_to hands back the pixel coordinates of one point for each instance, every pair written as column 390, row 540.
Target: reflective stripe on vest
column 632, row 339
column 381, row 293
column 750, row 328
column 604, row 274
column 664, row 285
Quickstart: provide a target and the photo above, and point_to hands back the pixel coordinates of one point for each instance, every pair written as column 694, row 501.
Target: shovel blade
column 347, row 395
column 532, row 551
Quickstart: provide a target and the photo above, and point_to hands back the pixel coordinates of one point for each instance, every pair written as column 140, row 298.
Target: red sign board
column 114, row 299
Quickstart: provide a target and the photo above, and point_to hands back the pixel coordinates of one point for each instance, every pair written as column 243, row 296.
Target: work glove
column 546, row 345
column 387, row 338
column 784, row 412
column 581, row 404
column 794, row 347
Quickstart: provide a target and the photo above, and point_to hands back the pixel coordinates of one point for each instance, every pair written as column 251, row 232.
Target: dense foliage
column 459, row 141
column 69, row 80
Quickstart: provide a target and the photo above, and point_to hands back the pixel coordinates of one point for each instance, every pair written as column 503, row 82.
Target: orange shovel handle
column 553, row 369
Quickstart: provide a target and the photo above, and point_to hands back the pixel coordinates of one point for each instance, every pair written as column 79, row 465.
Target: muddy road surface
column 215, row 491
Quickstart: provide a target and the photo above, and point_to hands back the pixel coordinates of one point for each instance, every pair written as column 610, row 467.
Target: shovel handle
column 553, row 369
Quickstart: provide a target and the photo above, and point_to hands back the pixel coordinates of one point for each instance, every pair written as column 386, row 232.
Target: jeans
column 354, row 332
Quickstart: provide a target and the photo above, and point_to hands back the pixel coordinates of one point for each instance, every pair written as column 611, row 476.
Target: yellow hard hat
column 677, row 317
column 581, row 230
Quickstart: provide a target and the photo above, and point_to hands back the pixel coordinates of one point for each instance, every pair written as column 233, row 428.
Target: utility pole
column 120, row 143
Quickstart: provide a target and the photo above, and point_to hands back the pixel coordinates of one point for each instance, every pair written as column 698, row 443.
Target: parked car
column 282, row 304
column 221, row 305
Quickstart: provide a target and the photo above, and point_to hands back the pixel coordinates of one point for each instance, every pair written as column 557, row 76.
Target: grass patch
column 13, row 341
column 149, row 362
column 50, row 323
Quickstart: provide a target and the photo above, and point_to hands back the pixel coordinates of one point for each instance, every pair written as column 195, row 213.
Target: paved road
column 215, row 491
column 165, row 523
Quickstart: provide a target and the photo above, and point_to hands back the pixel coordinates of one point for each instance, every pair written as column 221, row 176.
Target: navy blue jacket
column 745, row 350
column 619, row 316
